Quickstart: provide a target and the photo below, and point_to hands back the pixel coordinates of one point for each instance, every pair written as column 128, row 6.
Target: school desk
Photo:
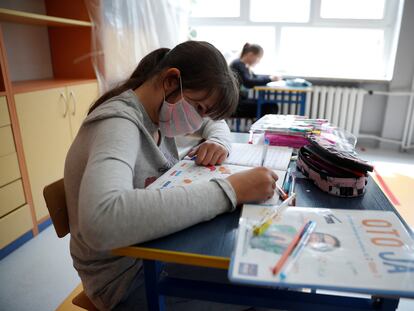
column 283, row 95
column 210, row 244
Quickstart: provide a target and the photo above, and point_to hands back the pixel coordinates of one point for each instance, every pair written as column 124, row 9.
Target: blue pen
column 288, row 179
column 299, row 247
column 264, row 152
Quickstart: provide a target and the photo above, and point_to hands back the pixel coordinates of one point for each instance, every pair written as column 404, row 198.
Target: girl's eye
column 200, row 108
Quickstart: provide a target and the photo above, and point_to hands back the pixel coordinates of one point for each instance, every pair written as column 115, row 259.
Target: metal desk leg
column 302, row 103
column 260, row 101
column 152, row 270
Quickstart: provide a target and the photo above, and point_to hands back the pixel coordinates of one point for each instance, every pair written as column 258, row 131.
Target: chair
column 54, row 195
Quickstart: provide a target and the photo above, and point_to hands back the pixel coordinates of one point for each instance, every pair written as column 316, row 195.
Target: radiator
column 342, row 106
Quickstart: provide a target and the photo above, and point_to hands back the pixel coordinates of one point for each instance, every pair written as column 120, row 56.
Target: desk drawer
column 14, row 225
column 11, row 197
column 6, row 139
column 9, row 169
column 4, row 112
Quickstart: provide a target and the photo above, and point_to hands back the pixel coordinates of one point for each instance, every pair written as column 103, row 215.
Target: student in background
column 125, row 143
column 250, row 56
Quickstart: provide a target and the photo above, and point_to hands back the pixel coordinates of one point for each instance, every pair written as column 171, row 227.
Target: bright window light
column 353, row 9
column 215, row 8
column 295, row 11
column 333, row 52
column 230, row 40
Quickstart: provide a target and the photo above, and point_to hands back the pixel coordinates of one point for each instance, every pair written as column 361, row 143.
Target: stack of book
column 288, row 130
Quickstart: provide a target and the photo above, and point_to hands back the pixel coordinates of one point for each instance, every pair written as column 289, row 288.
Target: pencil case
column 332, row 179
column 339, row 152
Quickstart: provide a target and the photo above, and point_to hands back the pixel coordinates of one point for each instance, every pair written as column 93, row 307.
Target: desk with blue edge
column 210, row 244
column 283, row 95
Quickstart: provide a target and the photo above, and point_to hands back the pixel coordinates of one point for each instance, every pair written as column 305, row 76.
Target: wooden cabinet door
column 44, row 123
column 80, row 99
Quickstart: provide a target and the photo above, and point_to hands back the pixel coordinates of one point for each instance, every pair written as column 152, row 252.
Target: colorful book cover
column 362, row 251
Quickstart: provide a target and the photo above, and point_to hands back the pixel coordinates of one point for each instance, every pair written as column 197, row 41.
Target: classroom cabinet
column 15, row 218
column 49, row 120
column 42, row 106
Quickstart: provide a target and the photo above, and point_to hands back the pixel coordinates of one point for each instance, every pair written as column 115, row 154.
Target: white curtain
column 127, row 30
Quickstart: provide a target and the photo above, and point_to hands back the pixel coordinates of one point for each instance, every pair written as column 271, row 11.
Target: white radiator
column 342, row 106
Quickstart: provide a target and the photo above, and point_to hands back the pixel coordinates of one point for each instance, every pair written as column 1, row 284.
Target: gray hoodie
column 112, row 159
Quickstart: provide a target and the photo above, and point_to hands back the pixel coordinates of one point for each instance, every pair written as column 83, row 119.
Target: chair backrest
column 54, row 195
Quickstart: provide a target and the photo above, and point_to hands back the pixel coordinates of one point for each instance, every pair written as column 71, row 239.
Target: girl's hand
column 209, row 153
column 255, row 185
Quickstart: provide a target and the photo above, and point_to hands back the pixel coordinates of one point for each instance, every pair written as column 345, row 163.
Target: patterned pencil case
column 330, row 174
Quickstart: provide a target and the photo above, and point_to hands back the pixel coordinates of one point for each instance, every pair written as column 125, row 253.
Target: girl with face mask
column 126, row 142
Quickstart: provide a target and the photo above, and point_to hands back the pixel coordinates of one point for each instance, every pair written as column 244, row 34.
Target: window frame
column 390, row 23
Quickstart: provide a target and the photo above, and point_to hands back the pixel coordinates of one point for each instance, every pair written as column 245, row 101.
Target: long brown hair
column 254, row 48
column 202, row 67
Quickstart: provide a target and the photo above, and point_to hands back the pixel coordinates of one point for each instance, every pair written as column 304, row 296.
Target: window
column 230, row 39
column 352, row 9
column 215, row 8
column 279, row 10
column 352, row 39
column 341, row 53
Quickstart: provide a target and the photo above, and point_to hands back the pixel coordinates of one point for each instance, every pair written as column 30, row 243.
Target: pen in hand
column 264, row 153
column 279, row 190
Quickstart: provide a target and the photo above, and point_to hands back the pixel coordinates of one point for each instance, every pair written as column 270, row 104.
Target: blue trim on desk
column 15, row 244
column 43, row 225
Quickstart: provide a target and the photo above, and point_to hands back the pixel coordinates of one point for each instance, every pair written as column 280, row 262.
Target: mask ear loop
column 181, row 87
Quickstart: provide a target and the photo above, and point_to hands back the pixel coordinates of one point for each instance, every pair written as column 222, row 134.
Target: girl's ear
column 171, row 79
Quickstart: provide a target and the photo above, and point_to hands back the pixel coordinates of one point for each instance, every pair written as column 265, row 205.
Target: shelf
column 39, row 19
column 37, row 85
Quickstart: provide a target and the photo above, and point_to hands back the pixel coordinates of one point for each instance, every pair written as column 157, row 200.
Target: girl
column 126, row 142
column 250, row 56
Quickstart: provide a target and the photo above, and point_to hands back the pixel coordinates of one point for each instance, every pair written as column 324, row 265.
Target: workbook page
column 277, row 158
column 187, row 172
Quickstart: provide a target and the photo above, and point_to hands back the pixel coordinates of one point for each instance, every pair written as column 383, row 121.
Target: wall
column 27, row 46
column 396, row 108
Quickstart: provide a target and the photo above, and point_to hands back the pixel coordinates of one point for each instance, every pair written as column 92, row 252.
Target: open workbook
column 350, row 250
column 242, row 158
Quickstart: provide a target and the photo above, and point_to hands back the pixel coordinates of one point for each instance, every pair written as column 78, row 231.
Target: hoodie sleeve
column 217, row 131
column 113, row 214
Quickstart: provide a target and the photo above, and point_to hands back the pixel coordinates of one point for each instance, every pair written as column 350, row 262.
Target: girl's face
column 253, row 59
column 197, row 99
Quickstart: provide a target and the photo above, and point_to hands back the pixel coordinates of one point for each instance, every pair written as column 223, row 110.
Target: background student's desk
column 210, row 244
column 283, row 95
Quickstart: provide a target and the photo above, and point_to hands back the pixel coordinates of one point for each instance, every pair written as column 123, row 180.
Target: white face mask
column 179, row 118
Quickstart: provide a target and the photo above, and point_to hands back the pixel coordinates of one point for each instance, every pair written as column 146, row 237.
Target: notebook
column 277, row 158
column 243, row 157
column 360, row 251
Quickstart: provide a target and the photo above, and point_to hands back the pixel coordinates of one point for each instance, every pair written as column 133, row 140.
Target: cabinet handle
column 71, row 94
column 65, row 104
